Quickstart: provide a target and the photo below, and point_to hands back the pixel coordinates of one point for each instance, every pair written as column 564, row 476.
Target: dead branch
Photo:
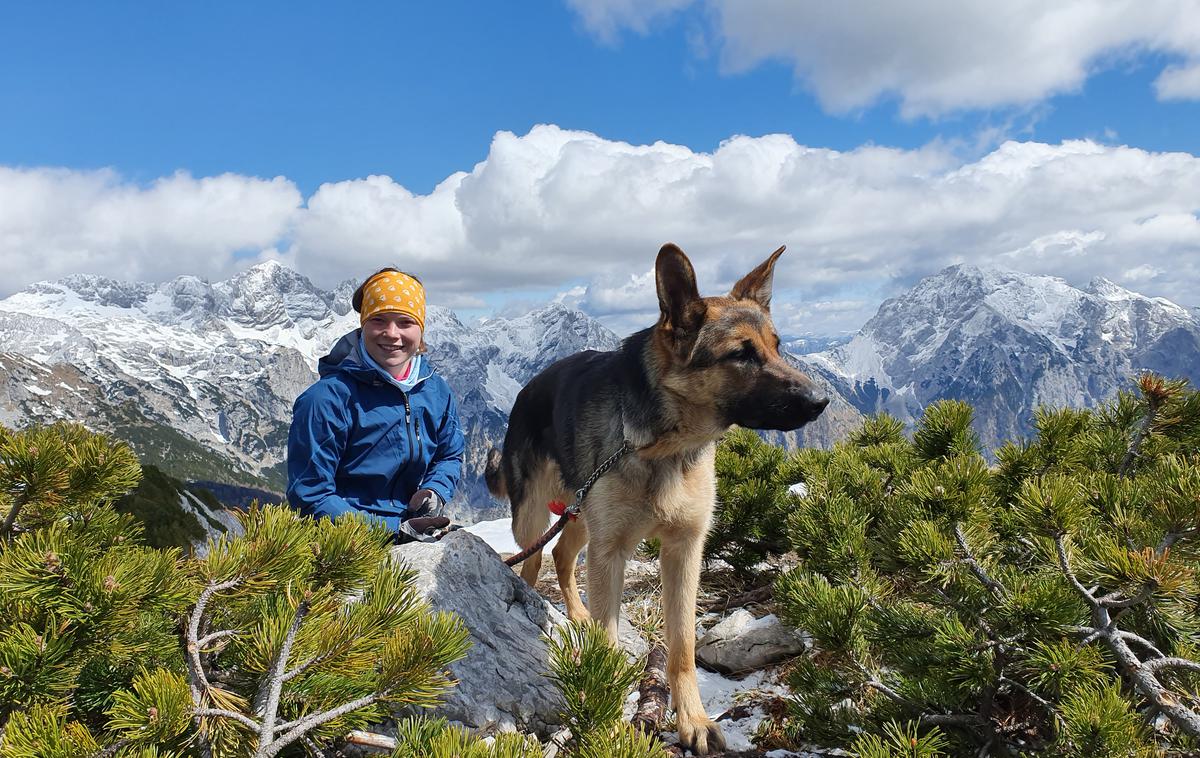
column 653, row 692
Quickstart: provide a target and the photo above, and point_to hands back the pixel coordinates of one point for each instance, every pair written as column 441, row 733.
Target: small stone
column 742, row 643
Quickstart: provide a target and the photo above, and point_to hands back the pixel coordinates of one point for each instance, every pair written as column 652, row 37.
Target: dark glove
column 421, row 529
column 423, row 502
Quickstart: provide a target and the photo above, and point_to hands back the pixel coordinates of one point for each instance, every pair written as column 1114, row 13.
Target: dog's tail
column 493, row 474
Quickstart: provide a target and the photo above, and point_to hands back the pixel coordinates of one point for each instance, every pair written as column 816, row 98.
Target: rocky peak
column 270, row 294
column 1009, row 342
column 105, row 291
column 1109, row 290
column 190, row 297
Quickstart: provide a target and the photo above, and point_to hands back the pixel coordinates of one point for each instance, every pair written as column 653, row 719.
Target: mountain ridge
column 1008, row 342
column 208, row 371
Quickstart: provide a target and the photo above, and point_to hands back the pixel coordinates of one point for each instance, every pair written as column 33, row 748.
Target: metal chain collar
column 600, row 471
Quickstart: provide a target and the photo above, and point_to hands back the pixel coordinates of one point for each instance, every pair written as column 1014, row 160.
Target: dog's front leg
column 679, row 560
column 605, row 575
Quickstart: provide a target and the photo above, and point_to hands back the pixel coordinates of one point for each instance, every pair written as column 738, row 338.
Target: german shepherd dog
column 671, row 391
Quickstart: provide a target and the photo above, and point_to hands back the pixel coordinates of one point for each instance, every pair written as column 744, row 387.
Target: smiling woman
column 378, row 435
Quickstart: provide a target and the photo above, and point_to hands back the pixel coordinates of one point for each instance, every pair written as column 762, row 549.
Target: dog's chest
column 678, row 489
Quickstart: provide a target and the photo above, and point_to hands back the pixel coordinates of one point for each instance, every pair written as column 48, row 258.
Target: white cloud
column 935, row 56
column 556, row 211
column 55, row 222
column 606, row 19
column 1180, row 82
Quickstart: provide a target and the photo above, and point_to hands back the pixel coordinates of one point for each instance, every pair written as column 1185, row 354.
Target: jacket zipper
column 412, row 430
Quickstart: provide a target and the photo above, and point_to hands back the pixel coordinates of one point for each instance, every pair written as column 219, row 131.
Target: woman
column 378, row 434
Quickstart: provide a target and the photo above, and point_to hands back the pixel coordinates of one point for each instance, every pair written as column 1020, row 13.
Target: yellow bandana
column 393, row 292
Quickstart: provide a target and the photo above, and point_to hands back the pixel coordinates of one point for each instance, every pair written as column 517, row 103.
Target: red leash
column 536, row 547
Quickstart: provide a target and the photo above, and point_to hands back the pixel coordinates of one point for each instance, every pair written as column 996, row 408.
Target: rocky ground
column 741, row 645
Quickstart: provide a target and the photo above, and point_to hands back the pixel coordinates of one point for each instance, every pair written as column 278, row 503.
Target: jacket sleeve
column 316, row 441
column 445, row 469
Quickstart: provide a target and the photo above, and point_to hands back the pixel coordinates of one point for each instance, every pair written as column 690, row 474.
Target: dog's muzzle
column 781, row 412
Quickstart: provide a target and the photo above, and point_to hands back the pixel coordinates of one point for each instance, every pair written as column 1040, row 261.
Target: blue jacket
column 358, row 443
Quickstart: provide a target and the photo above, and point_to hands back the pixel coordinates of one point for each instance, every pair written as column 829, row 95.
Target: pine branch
column 1131, row 637
column 1148, row 685
column 966, row 720
column 1113, row 599
column 197, row 680
column 18, row 503
column 1033, row 695
column 1135, row 445
column 1170, row 539
column 274, row 682
column 1061, row 549
column 756, row 595
column 314, row 661
column 995, row 587
column 196, row 676
column 211, row 638
column 370, row 739
column 1142, row 673
column 224, row 714
column 1091, row 634
column 112, row 749
column 299, row 728
column 1171, row 663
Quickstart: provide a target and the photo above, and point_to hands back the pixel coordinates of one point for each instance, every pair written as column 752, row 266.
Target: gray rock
column 630, row 639
column 502, row 684
column 743, row 643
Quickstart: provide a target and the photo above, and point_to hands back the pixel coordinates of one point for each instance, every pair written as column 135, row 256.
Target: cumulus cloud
column 1180, row 82
column 934, row 56
column 558, row 211
column 606, row 19
column 55, row 222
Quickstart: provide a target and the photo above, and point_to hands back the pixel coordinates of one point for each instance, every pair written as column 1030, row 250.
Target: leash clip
column 558, row 508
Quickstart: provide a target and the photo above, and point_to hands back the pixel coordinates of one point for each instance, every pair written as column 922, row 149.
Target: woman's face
column 392, row 339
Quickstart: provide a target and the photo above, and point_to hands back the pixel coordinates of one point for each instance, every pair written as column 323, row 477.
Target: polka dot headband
column 393, row 292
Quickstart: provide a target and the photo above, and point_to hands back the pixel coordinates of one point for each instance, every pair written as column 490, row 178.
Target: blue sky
column 135, row 105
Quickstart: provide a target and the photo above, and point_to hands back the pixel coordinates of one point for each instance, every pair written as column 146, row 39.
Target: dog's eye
column 745, row 353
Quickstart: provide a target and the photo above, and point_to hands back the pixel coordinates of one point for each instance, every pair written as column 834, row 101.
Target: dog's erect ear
column 676, row 282
column 756, row 285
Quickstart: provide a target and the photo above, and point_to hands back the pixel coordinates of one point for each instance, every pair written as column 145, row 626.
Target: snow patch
column 498, row 534
column 501, row 388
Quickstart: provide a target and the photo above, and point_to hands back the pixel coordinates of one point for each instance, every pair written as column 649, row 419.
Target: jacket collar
column 347, row 357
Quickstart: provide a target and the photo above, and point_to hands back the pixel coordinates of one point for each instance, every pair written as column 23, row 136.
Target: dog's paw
column 701, row 735
column 578, row 614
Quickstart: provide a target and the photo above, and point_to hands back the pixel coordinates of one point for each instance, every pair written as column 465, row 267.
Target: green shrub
column 753, row 500
column 1046, row 603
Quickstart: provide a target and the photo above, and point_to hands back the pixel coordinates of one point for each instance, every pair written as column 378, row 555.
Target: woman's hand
column 423, row 502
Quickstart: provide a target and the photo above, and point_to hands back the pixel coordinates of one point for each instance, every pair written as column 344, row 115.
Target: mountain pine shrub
column 753, row 501
column 277, row 642
column 84, row 606
column 1047, row 603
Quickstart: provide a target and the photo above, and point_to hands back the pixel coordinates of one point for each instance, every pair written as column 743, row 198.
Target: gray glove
column 421, row 529
column 423, row 502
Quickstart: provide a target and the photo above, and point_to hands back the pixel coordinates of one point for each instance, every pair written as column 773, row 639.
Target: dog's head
column 723, row 352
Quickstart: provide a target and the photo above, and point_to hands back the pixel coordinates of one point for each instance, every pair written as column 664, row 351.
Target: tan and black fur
column 671, row 390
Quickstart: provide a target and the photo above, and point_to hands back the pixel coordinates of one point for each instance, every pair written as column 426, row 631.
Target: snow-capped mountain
column 201, row 377
column 1007, row 343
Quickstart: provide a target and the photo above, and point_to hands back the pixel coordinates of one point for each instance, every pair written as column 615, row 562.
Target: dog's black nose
column 814, row 406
